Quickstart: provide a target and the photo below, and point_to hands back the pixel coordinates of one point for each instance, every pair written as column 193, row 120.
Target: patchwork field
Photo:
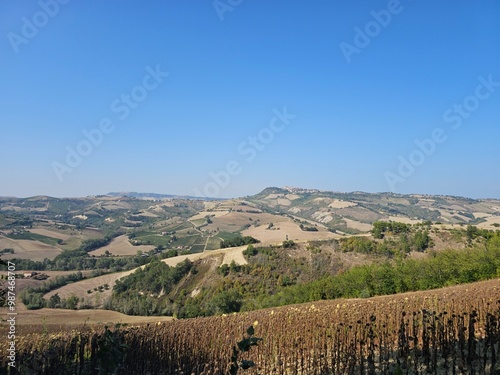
column 203, row 214
column 492, row 222
column 337, row 203
column 50, row 233
column 363, row 227
column 27, row 249
column 279, row 232
column 235, row 221
column 405, row 220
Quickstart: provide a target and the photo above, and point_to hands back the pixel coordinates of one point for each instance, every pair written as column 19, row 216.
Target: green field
column 4, row 221
column 198, row 248
column 213, row 243
column 179, row 226
column 228, row 235
column 199, row 222
column 188, row 240
column 34, row 237
column 153, row 239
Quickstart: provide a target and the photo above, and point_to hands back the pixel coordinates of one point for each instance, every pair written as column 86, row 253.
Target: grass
column 199, row 222
column 181, row 226
column 213, row 243
column 71, row 243
column 198, row 248
column 228, row 235
column 188, row 240
column 153, row 239
column 4, row 221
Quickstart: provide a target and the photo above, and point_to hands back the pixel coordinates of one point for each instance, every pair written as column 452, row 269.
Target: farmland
column 454, row 330
column 172, row 258
column 60, row 320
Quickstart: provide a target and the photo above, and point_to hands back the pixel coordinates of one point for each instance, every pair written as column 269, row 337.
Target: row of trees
column 441, row 269
column 419, row 240
column 380, row 228
column 238, row 241
column 33, row 297
column 70, row 260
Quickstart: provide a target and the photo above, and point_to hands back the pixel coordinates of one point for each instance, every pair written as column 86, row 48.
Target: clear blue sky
column 360, row 101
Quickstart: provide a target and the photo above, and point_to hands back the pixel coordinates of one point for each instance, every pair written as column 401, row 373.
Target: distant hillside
column 351, row 212
column 42, row 227
column 156, row 196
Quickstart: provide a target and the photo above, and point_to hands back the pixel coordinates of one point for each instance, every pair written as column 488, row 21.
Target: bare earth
column 404, row 220
column 203, row 214
column 358, row 225
column 27, row 249
column 337, row 203
column 488, row 224
column 281, row 230
column 62, row 316
column 50, row 233
column 121, row 247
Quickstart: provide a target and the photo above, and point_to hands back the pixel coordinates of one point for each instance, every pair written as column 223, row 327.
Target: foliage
column 448, row 267
column 238, row 241
column 33, row 297
column 80, row 260
column 380, row 228
column 250, row 251
column 93, row 244
column 111, row 350
column 243, row 346
column 138, row 294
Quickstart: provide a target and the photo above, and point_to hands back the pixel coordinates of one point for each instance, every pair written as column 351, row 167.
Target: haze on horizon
column 223, row 99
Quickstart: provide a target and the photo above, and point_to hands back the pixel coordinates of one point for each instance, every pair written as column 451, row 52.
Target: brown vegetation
column 454, row 330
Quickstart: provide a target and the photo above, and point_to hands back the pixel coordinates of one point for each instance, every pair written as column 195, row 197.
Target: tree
column 421, row 240
column 54, row 301
column 250, row 251
column 223, row 270
column 233, row 267
column 226, row 302
column 70, row 303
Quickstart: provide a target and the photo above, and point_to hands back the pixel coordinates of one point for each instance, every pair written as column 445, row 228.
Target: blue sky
column 359, row 83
